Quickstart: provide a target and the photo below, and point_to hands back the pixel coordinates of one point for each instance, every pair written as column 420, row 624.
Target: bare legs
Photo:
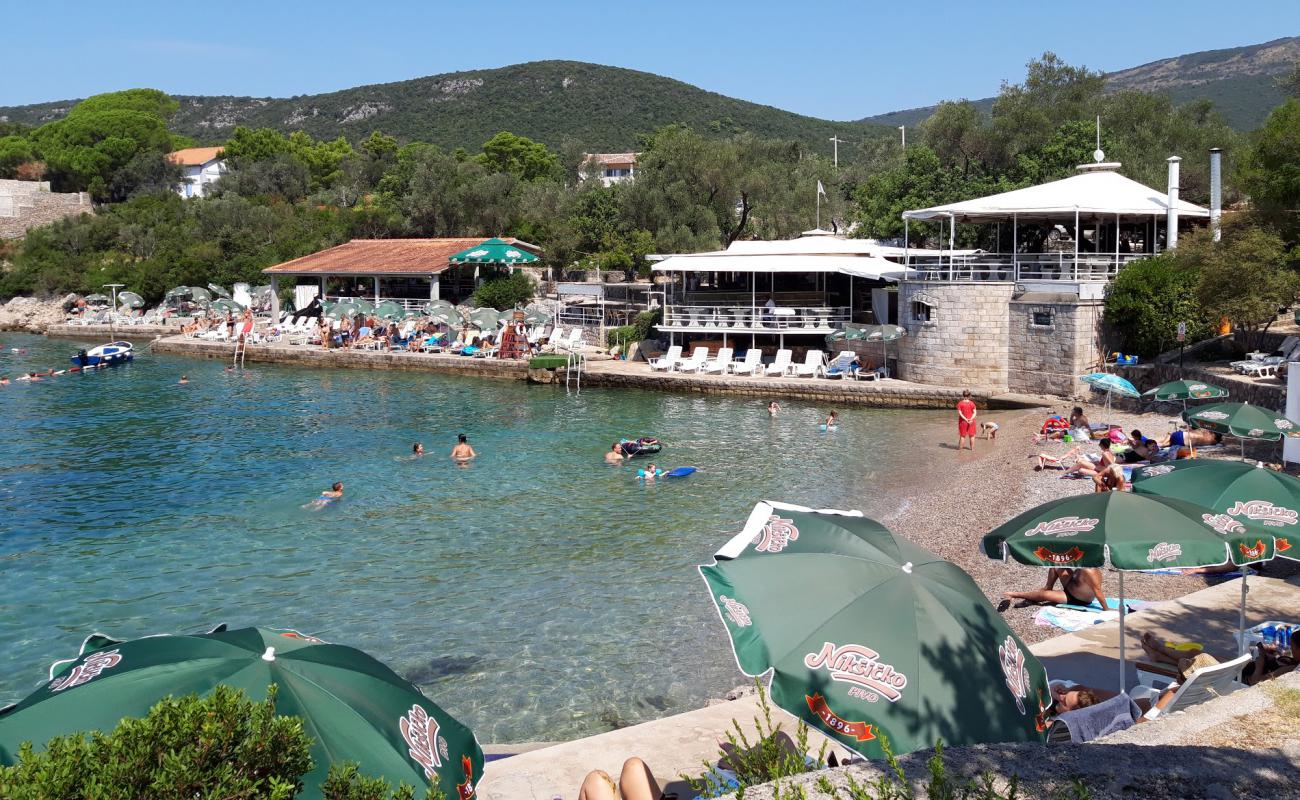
column 636, row 782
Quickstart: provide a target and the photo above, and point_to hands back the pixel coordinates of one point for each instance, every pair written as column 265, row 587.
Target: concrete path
column 680, row 743
column 671, row 746
column 1208, row 616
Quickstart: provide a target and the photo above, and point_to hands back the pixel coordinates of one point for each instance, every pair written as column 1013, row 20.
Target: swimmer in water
column 615, row 454
column 417, row 450
column 326, row 497
column 831, row 420
column 651, row 472
column 773, row 408
column 462, row 452
column 4, row 381
column 184, row 380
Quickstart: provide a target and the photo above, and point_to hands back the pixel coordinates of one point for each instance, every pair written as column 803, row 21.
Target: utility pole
column 903, row 129
column 836, row 141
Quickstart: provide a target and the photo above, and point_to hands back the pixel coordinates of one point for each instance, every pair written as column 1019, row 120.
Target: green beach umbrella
column 1126, row 531
column 364, row 306
column 218, row 291
column 868, row 635
column 1186, row 390
column 390, row 310
column 1243, row 421
column 342, row 309
column 225, row 304
column 97, row 300
column 180, row 292
column 536, row 318
column 200, row 295
column 444, row 316
column 354, row 707
column 485, row 318
column 434, row 304
column 493, row 251
column 130, row 300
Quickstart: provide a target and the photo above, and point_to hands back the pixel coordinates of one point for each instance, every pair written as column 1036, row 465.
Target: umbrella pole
column 1123, row 668
column 1241, row 615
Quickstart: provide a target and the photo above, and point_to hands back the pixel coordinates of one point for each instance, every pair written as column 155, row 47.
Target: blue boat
column 110, row 354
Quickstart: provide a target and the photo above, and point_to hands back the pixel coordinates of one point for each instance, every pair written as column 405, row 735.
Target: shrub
column 1148, row 300
column 505, row 293
column 223, row 745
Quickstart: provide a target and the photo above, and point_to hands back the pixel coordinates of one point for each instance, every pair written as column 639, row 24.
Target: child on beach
column 990, row 429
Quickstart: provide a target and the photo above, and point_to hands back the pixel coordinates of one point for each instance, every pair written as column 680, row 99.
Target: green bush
column 505, row 293
column 1148, row 300
column 220, row 746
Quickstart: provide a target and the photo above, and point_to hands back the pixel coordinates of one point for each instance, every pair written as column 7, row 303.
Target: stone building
column 30, row 204
column 1028, row 319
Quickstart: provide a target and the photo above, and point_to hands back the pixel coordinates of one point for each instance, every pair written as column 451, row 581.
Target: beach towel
column 1071, row 619
column 1111, row 602
column 1116, row 714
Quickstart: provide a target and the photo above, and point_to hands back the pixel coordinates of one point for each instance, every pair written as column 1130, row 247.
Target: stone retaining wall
column 965, row 342
column 353, row 359
column 1148, row 376
column 30, row 204
column 111, row 331
column 843, row 393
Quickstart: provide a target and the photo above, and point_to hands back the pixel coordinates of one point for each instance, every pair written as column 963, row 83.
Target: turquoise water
column 536, row 593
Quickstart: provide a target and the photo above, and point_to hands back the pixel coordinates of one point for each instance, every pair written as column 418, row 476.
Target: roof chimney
column 1171, row 221
column 1216, row 190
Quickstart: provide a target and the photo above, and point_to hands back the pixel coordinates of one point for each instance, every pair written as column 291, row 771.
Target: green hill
column 603, row 109
column 1240, row 81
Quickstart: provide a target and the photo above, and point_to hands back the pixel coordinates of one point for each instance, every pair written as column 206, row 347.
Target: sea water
column 536, row 593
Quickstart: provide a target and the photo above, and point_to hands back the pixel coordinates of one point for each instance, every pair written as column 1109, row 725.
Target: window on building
column 922, row 311
column 1042, row 317
column 614, row 172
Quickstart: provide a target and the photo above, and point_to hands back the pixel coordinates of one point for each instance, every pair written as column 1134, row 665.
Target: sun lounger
column 1264, row 368
column 720, row 363
column 750, row 364
column 843, row 366
column 666, row 361
column 699, row 357
column 814, row 365
column 1085, row 724
column 780, row 365
column 1206, row 683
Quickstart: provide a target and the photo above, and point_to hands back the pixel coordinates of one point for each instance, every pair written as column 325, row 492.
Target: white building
column 203, row 167
column 610, row 168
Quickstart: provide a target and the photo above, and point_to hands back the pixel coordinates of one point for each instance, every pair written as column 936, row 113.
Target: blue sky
column 842, row 60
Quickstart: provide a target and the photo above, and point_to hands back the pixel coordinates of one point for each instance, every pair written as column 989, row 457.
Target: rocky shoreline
column 35, row 314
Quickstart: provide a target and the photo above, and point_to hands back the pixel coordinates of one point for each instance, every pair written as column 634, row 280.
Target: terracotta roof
column 194, row 156
column 386, row 257
column 612, row 158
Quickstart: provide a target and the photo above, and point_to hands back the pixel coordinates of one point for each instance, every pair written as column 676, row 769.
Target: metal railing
column 1021, row 267
column 755, row 320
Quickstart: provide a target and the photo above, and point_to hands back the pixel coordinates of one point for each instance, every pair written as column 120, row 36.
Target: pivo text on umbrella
column 868, row 636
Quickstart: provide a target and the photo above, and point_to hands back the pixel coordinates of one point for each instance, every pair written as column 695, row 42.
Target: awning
column 857, row 266
column 1095, row 193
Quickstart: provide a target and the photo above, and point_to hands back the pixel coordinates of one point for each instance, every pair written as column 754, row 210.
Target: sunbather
column 1270, row 660
column 1079, row 587
column 635, row 782
column 1110, row 479
column 1049, row 461
column 1193, row 437
column 1078, row 427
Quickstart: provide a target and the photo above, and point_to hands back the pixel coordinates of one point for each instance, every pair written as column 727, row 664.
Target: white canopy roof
column 855, row 265
column 1095, row 192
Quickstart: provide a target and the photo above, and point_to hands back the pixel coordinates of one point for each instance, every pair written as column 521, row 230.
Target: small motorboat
column 110, row 354
column 645, row 446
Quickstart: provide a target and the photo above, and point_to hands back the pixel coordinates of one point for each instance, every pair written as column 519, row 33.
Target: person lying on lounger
column 1110, row 479
column 1270, row 660
column 1194, row 437
column 1079, row 587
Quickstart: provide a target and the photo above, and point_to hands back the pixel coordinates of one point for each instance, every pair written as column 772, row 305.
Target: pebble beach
column 975, row 492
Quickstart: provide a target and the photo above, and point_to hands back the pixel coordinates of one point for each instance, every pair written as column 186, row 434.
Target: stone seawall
column 111, row 331
column 352, row 359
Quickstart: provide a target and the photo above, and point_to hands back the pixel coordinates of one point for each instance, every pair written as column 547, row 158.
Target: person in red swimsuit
column 966, row 420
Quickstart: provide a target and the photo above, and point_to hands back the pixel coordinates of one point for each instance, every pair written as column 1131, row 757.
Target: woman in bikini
column 1079, row 587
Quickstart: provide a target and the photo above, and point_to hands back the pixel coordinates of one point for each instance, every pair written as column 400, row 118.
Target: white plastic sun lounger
column 719, row 364
column 814, row 365
column 699, row 357
column 842, row 367
column 1206, row 683
column 750, row 365
column 780, row 365
column 666, row 361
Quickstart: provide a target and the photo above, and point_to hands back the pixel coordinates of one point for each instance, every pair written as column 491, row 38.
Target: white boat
column 111, row 354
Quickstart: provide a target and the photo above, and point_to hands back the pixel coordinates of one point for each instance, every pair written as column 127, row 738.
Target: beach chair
column 1206, row 683
column 666, row 361
column 843, row 365
column 719, row 364
column 780, row 365
column 1262, row 368
column 870, row 374
column 751, row 364
column 814, row 365
column 699, row 357
column 574, row 343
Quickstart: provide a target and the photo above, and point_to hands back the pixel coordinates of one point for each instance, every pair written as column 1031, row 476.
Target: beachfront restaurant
column 776, row 294
column 1079, row 229
column 410, row 272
